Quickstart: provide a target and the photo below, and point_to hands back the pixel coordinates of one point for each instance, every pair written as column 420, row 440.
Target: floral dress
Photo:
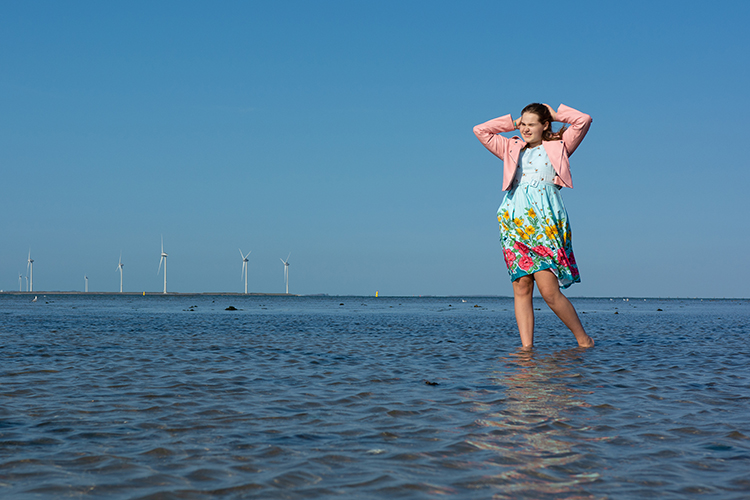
column 534, row 228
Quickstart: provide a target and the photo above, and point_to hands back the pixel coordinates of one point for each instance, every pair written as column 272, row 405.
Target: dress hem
column 564, row 284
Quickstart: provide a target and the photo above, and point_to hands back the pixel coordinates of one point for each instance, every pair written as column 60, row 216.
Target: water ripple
column 174, row 397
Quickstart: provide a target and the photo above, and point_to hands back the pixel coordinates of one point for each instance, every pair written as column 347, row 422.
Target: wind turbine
column 244, row 266
column 30, row 270
column 20, row 282
column 86, row 279
column 286, row 270
column 163, row 259
column 121, row 265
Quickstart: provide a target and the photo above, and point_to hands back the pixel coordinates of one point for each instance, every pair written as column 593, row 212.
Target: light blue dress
column 534, row 228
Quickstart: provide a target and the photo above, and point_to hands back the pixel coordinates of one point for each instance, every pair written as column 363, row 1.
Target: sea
column 281, row 397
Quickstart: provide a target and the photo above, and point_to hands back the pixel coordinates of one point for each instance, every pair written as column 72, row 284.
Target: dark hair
column 544, row 115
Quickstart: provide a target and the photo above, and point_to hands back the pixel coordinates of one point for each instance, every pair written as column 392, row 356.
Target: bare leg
column 560, row 305
column 523, row 291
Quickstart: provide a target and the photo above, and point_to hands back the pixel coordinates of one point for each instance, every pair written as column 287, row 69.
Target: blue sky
column 342, row 132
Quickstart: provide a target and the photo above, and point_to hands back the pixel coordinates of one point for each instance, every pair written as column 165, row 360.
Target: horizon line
column 282, row 294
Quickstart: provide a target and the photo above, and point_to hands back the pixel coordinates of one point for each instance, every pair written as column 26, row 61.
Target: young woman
column 534, row 226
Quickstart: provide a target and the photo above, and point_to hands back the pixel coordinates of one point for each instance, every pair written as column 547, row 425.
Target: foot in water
column 587, row 342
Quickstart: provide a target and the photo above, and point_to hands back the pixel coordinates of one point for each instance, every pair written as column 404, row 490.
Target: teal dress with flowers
column 534, row 228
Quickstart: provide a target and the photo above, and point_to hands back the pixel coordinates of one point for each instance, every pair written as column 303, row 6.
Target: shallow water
column 352, row 397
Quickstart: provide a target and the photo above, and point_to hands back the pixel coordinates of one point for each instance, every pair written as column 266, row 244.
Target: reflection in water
column 532, row 435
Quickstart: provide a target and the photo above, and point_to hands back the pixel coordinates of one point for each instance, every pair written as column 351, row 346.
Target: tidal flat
column 108, row 396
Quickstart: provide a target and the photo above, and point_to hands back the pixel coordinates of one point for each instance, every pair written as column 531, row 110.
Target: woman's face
column 531, row 129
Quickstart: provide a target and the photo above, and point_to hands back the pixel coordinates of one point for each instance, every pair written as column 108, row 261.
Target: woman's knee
column 551, row 295
column 523, row 286
column 550, row 291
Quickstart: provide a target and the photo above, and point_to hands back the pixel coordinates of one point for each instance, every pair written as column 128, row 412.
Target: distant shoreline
column 262, row 294
column 162, row 294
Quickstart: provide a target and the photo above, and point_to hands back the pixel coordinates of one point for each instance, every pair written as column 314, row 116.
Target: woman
column 534, row 225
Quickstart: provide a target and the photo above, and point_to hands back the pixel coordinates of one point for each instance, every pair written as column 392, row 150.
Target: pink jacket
column 508, row 150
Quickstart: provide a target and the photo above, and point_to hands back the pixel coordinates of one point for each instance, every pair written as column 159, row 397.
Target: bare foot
column 587, row 342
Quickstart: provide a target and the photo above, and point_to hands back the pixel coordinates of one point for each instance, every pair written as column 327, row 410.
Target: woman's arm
column 579, row 126
column 487, row 134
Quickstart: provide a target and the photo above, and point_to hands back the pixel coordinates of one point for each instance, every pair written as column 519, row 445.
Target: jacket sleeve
column 579, row 126
column 487, row 134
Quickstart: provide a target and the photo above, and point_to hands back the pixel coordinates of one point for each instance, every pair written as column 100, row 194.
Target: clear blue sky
column 342, row 132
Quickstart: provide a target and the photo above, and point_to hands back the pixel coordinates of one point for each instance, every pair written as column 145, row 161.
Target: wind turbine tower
column 20, row 282
column 286, row 270
column 86, row 279
column 163, row 259
column 244, row 266
column 30, row 270
column 121, row 265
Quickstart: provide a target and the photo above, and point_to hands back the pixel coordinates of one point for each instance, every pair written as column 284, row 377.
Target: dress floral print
column 534, row 227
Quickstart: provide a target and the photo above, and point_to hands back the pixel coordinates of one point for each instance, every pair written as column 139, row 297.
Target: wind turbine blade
column 160, row 261
column 282, row 260
column 287, row 257
column 241, row 253
column 162, row 243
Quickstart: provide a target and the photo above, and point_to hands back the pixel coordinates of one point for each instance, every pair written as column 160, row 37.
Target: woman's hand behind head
column 552, row 112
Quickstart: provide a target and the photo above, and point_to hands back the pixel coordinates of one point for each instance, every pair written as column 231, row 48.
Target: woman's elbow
column 480, row 133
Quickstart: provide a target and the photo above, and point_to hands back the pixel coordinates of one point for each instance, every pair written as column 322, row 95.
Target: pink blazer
column 508, row 150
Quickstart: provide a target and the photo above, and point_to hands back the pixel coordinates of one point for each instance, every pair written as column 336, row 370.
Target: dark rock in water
column 427, row 382
column 660, row 309
column 477, row 305
column 231, row 308
column 616, row 312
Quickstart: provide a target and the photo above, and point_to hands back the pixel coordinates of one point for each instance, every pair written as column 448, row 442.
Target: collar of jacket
column 554, row 149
